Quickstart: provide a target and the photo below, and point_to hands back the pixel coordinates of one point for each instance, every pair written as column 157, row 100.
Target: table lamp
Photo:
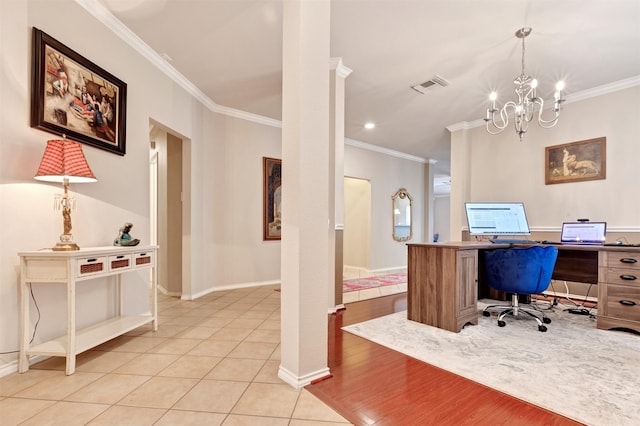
column 63, row 161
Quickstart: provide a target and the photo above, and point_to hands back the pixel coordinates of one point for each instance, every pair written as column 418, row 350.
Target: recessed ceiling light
column 369, row 125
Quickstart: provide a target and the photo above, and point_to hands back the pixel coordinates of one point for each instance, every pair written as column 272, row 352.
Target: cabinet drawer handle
column 91, row 260
column 119, row 257
column 628, row 260
column 627, row 302
column 628, row 277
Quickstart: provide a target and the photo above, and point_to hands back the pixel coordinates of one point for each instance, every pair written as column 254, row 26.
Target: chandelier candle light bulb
column 524, row 110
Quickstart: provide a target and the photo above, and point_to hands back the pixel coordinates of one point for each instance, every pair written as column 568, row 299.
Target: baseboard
column 168, row 293
column 349, row 269
column 570, row 296
column 8, row 368
column 392, row 270
column 337, row 308
column 299, row 382
column 12, row 367
column 228, row 287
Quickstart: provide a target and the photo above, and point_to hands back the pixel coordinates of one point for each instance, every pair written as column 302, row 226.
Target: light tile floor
column 213, row 361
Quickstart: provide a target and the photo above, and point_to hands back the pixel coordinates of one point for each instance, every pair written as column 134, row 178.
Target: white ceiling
column 232, row 51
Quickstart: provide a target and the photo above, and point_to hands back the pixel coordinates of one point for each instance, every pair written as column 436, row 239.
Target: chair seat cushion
column 521, row 270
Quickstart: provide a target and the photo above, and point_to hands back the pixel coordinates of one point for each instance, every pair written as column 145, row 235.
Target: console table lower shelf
column 92, row 336
column 70, row 267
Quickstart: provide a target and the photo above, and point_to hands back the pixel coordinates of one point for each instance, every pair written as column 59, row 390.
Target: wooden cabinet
column 619, row 290
column 72, row 268
column 442, row 285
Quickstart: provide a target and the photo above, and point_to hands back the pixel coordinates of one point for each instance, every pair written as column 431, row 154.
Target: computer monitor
column 497, row 218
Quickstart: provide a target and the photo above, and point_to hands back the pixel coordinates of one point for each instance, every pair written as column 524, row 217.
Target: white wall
column 441, row 220
column 503, row 169
column 387, row 174
column 233, row 239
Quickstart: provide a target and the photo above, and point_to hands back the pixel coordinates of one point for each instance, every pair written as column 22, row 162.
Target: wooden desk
column 443, row 281
column 70, row 267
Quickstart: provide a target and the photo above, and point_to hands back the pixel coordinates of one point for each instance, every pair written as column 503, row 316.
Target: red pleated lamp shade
column 64, row 159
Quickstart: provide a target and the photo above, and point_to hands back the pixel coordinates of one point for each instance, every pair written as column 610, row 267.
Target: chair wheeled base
column 514, row 310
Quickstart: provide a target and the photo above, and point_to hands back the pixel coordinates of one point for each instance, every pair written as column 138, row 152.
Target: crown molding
column 341, row 70
column 102, row 14
column 386, row 151
column 247, row 116
column 604, row 89
column 464, row 125
column 575, row 97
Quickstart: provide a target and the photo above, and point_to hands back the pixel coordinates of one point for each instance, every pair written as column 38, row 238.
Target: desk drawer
column 623, row 260
column 623, row 302
column 120, row 262
column 625, row 276
column 91, row 266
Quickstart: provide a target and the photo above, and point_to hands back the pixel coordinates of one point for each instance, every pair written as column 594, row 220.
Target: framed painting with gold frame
column 272, row 198
column 576, row 161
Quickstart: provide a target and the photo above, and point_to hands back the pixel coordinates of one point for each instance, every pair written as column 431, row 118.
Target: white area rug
column 574, row 369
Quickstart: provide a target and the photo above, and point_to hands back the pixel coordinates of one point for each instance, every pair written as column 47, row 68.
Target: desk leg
column 23, row 358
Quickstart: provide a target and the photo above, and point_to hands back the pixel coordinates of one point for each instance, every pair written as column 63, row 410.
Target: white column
column 336, row 179
column 460, row 184
column 429, row 213
column 305, row 191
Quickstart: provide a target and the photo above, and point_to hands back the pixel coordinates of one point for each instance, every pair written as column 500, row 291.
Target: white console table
column 71, row 268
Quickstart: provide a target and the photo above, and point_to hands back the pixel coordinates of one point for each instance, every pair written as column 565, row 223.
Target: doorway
column 357, row 227
column 166, row 216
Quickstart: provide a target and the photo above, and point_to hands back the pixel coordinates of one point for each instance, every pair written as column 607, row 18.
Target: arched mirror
column 401, row 215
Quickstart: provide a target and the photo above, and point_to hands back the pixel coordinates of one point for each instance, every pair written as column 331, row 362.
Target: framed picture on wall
column 576, row 161
column 272, row 198
column 74, row 97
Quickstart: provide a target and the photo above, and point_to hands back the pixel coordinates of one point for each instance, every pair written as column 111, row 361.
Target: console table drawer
column 91, row 266
column 120, row 262
column 623, row 302
column 143, row 259
column 625, row 276
column 623, row 260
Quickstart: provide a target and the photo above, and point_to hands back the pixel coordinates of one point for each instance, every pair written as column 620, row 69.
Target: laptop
column 583, row 233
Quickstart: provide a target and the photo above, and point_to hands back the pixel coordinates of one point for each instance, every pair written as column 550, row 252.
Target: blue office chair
column 520, row 271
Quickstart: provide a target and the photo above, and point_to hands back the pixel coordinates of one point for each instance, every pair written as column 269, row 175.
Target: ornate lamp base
column 66, row 244
column 65, row 247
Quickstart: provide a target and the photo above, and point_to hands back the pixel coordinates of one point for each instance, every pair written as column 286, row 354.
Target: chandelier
column 528, row 106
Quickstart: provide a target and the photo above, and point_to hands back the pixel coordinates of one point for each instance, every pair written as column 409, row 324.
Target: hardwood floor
column 374, row 385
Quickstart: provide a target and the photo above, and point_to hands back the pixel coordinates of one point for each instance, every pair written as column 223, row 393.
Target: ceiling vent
column 424, row 87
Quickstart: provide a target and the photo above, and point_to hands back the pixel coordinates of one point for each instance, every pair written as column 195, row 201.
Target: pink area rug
column 373, row 282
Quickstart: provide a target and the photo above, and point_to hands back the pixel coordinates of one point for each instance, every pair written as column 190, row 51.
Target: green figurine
column 124, row 239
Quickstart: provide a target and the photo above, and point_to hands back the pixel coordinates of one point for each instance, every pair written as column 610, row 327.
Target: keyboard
column 510, row 241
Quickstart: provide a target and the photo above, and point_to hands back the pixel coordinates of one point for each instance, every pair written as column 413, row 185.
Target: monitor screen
column 497, row 219
column 583, row 232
